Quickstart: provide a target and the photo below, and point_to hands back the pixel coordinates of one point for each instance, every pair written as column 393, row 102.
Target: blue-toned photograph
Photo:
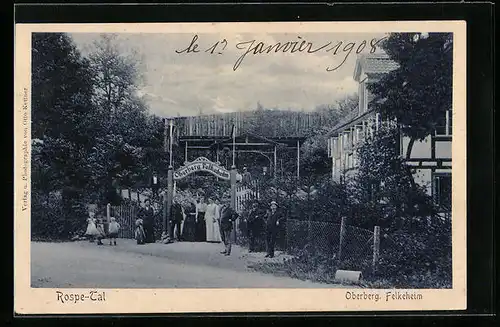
column 178, row 160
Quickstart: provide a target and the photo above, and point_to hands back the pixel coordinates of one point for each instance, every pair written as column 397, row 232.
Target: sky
column 182, row 84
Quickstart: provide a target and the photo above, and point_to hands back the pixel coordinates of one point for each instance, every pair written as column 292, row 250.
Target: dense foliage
column 91, row 132
column 420, row 91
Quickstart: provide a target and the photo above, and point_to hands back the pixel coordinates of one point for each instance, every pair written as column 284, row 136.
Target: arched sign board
column 202, row 164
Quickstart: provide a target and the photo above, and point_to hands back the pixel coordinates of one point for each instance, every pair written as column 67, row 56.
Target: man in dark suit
column 253, row 221
column 176, row 219
column 273, row 220
column 227, row 217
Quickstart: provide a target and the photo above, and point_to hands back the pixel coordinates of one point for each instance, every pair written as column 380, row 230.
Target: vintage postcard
column 240, row 167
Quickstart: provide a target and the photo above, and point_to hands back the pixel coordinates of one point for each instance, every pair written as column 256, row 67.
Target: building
column 430, row 159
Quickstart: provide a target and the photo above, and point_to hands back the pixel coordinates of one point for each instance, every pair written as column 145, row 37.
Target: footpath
column 128, row 265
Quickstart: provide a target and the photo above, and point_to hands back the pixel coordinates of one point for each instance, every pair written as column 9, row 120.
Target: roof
column 374, row 63
column 370, row 64
column 213, row 141
column 349, row 117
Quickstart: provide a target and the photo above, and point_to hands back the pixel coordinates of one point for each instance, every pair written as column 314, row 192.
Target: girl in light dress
column 212, row 223
column 92, row 231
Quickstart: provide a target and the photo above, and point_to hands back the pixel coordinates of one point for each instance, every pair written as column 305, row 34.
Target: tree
column 115, row 76
column 63, row 118
column 382, row 190
column 419, row 92
column 124, row 127
column 314, row 156
column 61, row 89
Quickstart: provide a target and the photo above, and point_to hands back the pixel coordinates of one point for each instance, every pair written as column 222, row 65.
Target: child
column 92, row 231
column 114, row 227
column 140, row 236
column 100, row 230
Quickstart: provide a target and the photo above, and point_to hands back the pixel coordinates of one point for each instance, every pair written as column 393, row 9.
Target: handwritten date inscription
column 254, row 47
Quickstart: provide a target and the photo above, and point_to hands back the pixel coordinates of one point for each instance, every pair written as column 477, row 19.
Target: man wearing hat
column 273, row 220
column 227, row 217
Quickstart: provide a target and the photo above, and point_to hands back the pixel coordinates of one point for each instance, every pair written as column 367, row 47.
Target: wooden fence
column 125, row 215
column 245, row 193
column 289, row 123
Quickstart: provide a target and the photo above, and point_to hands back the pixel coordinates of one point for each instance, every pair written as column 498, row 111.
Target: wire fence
column 358, row 248
column 354, row 247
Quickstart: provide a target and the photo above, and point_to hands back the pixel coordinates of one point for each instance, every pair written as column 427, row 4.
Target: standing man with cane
column 273, row 220
column 227, row 217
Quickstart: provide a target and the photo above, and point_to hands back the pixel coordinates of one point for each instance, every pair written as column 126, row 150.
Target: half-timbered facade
column 430, row 158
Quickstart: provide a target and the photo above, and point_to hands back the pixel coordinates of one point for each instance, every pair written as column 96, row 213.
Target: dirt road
column 179, row 265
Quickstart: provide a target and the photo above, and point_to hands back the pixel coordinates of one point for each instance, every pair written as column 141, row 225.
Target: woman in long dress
column 217, row 232
column 189, row 226
column 201, row 229
column 211, row 221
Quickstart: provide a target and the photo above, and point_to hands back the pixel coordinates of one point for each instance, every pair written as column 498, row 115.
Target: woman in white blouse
column 212, row 223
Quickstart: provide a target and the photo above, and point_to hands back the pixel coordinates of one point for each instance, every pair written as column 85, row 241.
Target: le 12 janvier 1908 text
column 299, row 45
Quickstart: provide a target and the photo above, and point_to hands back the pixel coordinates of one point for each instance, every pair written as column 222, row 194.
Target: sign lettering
column 202, row 164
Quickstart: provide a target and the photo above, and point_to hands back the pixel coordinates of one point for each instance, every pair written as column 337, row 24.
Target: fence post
column 342, row 237
column 108, row 215
column 376, row 246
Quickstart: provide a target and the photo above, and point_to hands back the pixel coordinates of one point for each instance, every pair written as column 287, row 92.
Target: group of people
column 269, row 221
column 196, row 221
column 97, row 232
column 199, row 221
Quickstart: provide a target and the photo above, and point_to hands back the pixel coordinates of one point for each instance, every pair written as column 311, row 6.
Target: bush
column 417, row 259
column 57, row 216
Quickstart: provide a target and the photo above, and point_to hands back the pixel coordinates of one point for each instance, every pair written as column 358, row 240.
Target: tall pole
column 233, row 182
column 298, row 160
column 167, row 200
column 170, row 128
column 275, row 161
column 234, row 147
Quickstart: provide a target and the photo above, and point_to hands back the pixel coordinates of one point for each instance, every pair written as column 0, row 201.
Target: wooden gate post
column 376, row 246
column 168, row 203
column 108, row 216
column 233, row 198
column 342, row 237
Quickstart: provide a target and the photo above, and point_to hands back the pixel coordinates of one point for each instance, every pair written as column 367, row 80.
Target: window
column 363, row 97
column 362, row 92
column 442, row 191
column 345, row 142
column 444, row 127
column 334, row 168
